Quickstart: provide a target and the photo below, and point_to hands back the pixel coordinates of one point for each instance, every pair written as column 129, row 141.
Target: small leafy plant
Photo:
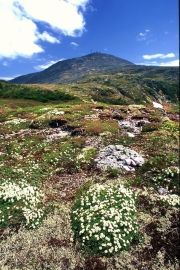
column 168, row 178
column 104, row 220
column 149, row 127
column 68, row 158
column 20, row 203
column 112, row 172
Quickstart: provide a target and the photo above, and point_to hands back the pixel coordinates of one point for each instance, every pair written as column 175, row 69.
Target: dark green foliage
column 169, row 89
column 159, row 171
column 167, row 178
column 26, row 92
column 157, row 163
column 149, row 127
column 112, row 172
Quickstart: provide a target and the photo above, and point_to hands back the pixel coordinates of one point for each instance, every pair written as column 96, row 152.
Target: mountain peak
column 74, row 69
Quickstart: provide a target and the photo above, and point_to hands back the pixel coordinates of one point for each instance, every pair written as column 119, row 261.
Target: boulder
column 119, row 157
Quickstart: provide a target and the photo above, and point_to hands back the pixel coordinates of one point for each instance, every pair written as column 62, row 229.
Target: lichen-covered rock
column 119, row 157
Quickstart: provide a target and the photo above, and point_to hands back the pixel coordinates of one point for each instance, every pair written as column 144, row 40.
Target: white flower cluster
column 15, row 121
column 171, row 171
column 86, row 154
column 171, row 199
column 107, row 218
column 23, row 198
column 166, row 177
column 168, row 172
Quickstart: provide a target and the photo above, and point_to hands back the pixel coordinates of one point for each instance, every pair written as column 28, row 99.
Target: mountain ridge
column 74, row 69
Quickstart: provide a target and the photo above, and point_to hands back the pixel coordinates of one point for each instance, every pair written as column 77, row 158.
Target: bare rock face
column 119, row 157
column 162, row 191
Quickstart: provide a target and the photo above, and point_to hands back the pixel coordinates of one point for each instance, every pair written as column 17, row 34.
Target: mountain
column 74, row 69
column 101, row 77
column 126, row 85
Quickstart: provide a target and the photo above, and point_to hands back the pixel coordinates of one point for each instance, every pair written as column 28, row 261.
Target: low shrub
column 157, row 163
column 149, row 127
column 20, row 203
column 95, row 130
column 168, row 178
column 87, row 155
column 112, row 172
column 39, row 94
column 171, row 126
column 104, row 220
column 68, row 161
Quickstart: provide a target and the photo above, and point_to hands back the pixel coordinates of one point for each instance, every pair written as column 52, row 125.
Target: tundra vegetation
column 58, row 210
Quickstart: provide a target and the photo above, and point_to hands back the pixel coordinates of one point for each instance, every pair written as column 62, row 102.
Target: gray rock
column 119, row 147
column 123, row 157
column 120, row 157
column 128, row 161
column 126, row 168
column 133, row 163
column 162, row 191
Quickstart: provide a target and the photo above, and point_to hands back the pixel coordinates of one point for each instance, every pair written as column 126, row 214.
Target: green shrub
column 158, row 163
column 168, row 178
column 68, row 161
column 172, row 126
column 104, row 220
column 112, row 172
column 39, row 94
column 20, row 203
column 87, row 155
column 149, row 127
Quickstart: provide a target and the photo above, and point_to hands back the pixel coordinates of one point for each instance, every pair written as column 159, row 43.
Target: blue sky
column 35, row 34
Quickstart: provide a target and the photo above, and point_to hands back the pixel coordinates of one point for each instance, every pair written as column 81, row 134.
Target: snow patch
column 157, row 105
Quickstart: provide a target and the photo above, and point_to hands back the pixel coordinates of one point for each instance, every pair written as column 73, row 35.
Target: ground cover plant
column 20, row 203
column 104, row 219
column 87, row 218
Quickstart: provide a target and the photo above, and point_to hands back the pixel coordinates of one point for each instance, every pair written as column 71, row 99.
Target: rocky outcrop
column 132, row 127
column 119, row 157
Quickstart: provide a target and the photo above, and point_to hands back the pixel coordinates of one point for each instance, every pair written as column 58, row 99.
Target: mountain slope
column 125, row 85
column 74, row 69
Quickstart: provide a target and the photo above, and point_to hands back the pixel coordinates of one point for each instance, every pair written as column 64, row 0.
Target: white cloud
column 174, row 63
column 5, row 64
column 158, row 55
column 18, row 33
column 8, row 78
column 48, row 64
column 45, row 36
column 142, row 34
column 19, row 20
column 150, row 40
column 74, row 44
column 145, row 36
column 153, row 63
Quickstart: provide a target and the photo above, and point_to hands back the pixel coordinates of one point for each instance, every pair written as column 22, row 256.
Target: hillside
column 74, row 69
column 78, row 155
column 72, row 149
column 125, row 85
